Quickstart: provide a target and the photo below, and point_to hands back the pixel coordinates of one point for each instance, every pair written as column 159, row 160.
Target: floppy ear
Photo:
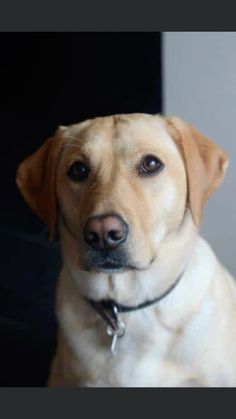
column 205, row 163
column 36, row 178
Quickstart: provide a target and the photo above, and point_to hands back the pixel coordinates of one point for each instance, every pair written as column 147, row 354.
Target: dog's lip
column 110, row 267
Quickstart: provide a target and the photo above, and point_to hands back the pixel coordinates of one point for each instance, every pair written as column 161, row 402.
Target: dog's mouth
column 109, row 267
column 105, row 261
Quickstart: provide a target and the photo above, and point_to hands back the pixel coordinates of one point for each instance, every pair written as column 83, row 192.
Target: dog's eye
column 150, row 165
column 78, row 172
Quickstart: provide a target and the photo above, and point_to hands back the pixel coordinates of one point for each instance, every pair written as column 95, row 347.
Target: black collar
column 109, row 309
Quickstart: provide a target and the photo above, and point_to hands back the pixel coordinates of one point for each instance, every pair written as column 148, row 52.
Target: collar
column 109, row 309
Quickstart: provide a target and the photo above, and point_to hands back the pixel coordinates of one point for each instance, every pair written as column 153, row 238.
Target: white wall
column 199, row 70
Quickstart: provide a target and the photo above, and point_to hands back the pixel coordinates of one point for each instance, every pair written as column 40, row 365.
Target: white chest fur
column 143, row 356
column 184, row 340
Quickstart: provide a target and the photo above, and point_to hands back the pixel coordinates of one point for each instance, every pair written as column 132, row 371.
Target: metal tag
column 117, row 333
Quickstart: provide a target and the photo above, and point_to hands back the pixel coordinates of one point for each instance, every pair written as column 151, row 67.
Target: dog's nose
column 105, row 231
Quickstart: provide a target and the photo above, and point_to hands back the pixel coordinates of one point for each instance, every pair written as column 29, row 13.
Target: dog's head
column 118, row 186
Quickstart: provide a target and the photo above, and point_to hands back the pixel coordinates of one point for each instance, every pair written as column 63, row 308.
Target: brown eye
column 78, row 172
column 150, row 165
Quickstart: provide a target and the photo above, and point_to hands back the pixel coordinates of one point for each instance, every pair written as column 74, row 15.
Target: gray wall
column 199, row 70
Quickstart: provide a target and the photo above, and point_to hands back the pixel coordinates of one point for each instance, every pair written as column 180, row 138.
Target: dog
column 142, row 300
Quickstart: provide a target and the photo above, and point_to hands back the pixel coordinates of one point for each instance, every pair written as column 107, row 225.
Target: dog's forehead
column 124, row 134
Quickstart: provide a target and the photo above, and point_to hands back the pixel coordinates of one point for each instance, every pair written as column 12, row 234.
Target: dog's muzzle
column 105, row 236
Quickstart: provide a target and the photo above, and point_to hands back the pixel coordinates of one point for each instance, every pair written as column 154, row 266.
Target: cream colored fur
column 188, row 338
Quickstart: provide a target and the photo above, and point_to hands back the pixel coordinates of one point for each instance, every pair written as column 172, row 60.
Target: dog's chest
column 139, row 353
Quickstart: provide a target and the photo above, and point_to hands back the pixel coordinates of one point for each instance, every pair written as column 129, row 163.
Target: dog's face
column 121, row 188
column 119, row 185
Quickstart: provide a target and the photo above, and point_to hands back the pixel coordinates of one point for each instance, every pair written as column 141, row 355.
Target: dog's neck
column 132, row 288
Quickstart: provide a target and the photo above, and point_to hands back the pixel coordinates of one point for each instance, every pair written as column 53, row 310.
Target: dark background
column 46, row 80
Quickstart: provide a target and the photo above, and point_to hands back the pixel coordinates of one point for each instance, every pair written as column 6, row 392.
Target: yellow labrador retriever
column 141, row 298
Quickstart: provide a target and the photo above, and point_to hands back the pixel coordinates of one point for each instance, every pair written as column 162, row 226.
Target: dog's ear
column 205, row 163
column 36, row 178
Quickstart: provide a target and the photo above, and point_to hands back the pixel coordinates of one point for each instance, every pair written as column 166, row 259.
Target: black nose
column 105, row 231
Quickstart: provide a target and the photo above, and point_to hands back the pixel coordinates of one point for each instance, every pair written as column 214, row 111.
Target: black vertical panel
column 46, row 80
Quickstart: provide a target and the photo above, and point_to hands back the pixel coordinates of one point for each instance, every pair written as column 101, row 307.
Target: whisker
column 73, row 138
column 71, row 145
